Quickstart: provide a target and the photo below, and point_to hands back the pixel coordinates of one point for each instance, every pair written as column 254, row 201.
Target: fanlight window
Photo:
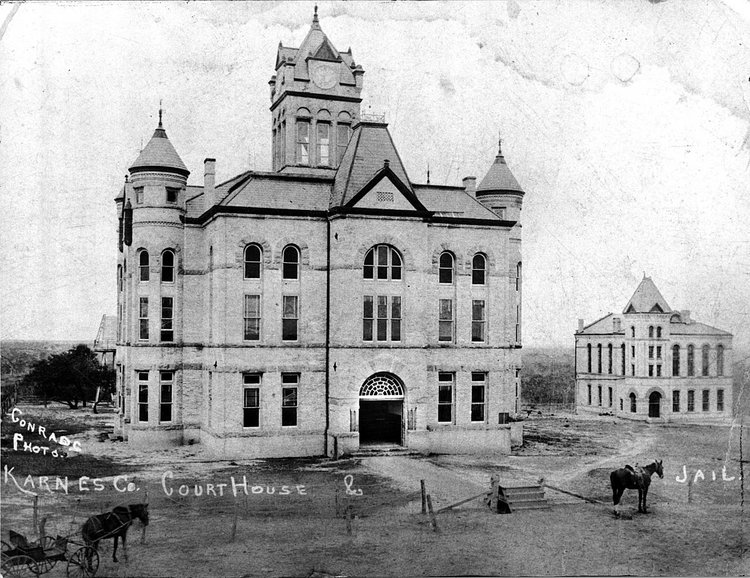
column 388, row 265
column 446, row 268
column 478, row 269
column 143, row 264
column 253, row 257
column 381, row 385
column 290, row 266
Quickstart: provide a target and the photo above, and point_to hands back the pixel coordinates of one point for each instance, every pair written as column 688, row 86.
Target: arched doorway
column 381, row 410
column 654, row 404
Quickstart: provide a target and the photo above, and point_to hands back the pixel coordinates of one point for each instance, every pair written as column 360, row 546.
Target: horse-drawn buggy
column 22, row 558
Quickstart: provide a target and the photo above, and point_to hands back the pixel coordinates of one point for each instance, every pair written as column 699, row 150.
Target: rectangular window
column 610, row 397
column 676, row 401
column 143, row 318
column 395, row 318
column 303, row 142
column 342, row 139
column 719, row 400
column 251, row 400
column 289, row 385
column 252, row 318
column 445, row 397
column 478, row 396
column 172, row 194
column 138, row 195
column 650, row 351
column 650, row 370
column 290, row 317
column 445, row 324
column 167, row 319
column 143, row 396
column 324, row 144
column 477, row 320
column 658, row 371
column 691, row 400
column 632, row 351
column 367, row 318
column 589, row 389
column 600, row 395
column 658, row 352
column 387, row 324
column 165, row 401
column 632, row 369
column 706, row 400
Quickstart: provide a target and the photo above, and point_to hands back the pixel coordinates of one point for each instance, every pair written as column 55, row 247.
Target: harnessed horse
column 113, row 524
column 629, row 478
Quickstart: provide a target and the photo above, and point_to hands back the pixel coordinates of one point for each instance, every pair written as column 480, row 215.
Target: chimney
column 209, row 180
column 580, row 325
column 685, row 316
column 470, row 184
column 616, row 324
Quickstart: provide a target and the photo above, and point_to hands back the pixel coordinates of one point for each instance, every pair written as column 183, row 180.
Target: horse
column 113, row 524
column 634, row 479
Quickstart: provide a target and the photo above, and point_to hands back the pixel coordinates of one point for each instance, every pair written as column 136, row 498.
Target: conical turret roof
column 159, row 154
column 647, row 299
column 499, row 178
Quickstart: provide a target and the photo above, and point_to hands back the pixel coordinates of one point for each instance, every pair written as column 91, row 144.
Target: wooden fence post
column 349, row 519
column 234, row 522
column 495, row 487
column 424, row 497
column 35, row 517
column 690, row 490
column 433, row 520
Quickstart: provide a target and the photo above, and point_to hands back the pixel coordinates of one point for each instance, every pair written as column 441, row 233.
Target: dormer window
column 172, row 193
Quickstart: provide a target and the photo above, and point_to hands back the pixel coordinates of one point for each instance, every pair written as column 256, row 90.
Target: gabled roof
column 368, row 149
column 695, row 328
column 603, row 326
column 326, row 51
column 159, row 154
column 647, row 299
column 446, row 201
column 499, row 178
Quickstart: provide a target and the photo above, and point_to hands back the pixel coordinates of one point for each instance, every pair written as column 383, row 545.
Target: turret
column 499, row 190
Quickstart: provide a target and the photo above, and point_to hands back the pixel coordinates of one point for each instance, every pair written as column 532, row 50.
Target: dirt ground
column 294, row 519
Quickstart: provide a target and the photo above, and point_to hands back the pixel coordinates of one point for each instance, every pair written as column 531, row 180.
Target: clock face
column 324, row 76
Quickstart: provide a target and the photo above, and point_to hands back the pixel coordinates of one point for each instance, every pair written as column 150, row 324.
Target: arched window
column 720, row 360
column 704, row 360
column 622, row 358
column 143, row 265
column 632, row 331
column 691, row 360
column 382, row 262
column 676, row 360
column 609, row 359
column 167, row 266
column 324, row 138
column 478, row 269
column 588, row 349
column 651, row 331
column 658, row 332
column 632, row 403
column 290, row 262
column 446, row 267
column 253, row 258
column 599, row 358
column 343, row 131
column 303, row 137
column 518, row 276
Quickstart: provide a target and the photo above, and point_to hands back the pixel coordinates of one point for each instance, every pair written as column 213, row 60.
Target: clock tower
column 315, row 101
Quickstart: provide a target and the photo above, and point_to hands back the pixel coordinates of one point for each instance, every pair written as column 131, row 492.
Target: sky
column 626, row 123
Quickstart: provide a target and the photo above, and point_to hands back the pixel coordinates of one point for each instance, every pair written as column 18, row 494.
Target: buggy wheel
column 83, row 563
column 19, row 567
column 6, row 548
column 46, row 564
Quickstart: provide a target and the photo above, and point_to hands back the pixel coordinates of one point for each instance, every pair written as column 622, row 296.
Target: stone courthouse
column 323, row 306
column 654, row 363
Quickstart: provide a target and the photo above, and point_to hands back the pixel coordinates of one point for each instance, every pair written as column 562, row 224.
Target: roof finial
column 160, row 112
column 428, row 173
column 499, row 143
column 315, row 15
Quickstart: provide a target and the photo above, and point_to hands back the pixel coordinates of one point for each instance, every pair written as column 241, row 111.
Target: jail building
column 653, row 363
column 329, row 304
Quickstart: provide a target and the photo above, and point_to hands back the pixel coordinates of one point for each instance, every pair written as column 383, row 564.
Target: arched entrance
column 381, row 410
column 654, row 404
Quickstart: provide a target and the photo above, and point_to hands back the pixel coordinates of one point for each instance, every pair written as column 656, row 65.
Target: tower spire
column 160, row 113
column 499, row 143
